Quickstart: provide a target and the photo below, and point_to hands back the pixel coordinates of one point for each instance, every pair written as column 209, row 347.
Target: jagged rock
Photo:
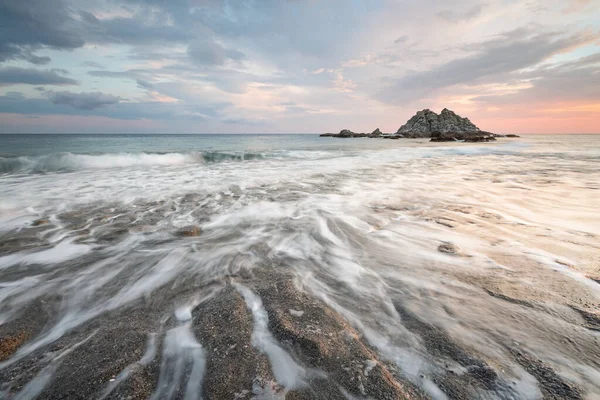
column 376, row 132
column 512, row 136
column 346, row 133
column 426, row 122
column 39, row 222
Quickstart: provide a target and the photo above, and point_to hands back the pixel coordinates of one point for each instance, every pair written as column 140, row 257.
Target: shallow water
column 356, row 223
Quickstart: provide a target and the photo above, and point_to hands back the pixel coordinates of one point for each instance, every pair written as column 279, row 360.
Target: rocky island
column 444, row 127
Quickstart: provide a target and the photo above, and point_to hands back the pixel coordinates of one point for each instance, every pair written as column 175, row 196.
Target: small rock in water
column 39, row 222
column 448, row 248
column 189, row 231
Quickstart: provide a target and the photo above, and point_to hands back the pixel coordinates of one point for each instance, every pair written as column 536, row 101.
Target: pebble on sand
column 448, row 248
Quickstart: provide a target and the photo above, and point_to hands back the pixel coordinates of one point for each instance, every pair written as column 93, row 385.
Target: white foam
column 287, row 372
column 64, row 251
column 181, row 350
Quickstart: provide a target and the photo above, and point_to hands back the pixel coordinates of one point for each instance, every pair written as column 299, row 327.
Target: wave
column 65, row 162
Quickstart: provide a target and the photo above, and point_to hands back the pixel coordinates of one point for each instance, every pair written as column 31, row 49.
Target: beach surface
column 299, row 267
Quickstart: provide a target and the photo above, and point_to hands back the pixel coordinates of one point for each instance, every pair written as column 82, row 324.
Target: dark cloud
column 507, row 53
column 37, row 60
column 15, row 75
column 81, row 104
column 115, row 74
column 243, row 121
column 63, row 104
column 29, row 25
column 84, row 100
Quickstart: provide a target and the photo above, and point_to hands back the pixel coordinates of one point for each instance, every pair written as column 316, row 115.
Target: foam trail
column 64, row 251
column 33, row 389
column 287, row 372
column 157, row 275
column 180, row 351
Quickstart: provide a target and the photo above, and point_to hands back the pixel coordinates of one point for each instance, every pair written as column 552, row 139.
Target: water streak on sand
column 287, row 372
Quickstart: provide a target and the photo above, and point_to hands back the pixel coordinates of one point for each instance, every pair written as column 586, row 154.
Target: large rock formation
column 427, row 122
column 444, row 127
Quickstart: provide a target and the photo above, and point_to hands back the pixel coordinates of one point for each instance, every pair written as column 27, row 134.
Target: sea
column 440, row 259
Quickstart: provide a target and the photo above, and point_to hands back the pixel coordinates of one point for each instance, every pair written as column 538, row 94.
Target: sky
column 297, row 66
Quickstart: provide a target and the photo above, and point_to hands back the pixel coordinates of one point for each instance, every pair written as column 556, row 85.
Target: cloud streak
column 30, row 76
column 495, row 58
column 83, row 101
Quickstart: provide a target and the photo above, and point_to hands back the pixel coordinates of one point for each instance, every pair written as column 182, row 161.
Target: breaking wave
column 72, row 162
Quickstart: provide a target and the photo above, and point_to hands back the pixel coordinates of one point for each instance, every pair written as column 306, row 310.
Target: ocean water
column 356, row 223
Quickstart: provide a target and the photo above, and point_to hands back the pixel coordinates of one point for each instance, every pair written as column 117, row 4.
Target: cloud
column 93, row 64
column 342, row 84
column 401, row 39
column 144, row 84
column 116, row 74
column 37, row 60
column 454, row 16
column 576, row 5
column 15, row 75
column 507, row 53
column 571, row 81
column 143, row 27
column 28, row 25
column 208, row 52
column 84, row 100
column 103, row 105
